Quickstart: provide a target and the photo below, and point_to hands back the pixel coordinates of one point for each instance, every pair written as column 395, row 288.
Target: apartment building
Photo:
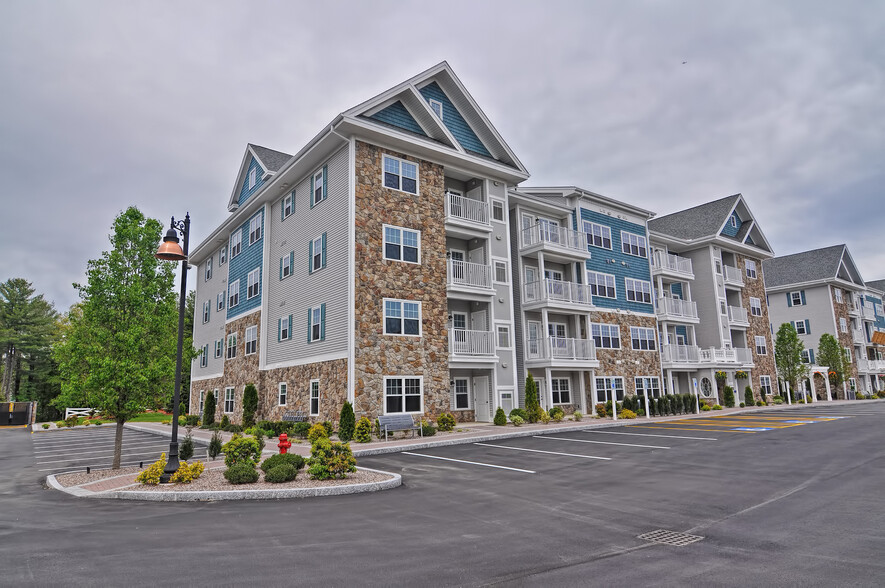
column 822, row 291
column 707, row 267
column 370, row 266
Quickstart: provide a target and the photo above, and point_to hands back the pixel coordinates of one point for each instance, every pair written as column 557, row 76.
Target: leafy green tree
column 532, row 402
column 788, row 350
column 831, row 354
column 119, row 354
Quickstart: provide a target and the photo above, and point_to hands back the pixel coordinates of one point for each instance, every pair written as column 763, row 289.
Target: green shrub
column 517, row 420
column 717, row 407
column 705, row 407
column 45, row 425
column 577, row 415
column 729, row 396
column 72, row 421
column 214, row 445
column 272, row 428
column 225, row 422
column 300, row 429
column 500, row 417
column 362, row 433
column 675, row 404
column 241, row 473
column 259, row 438
column 446, row 421
column 743, row 404
column 760, row 403
column 688, row 403
column 186, row 451
column 778, row 400
column 281, row 473
column 880, row 394
column 151, row 475
column 59, row 424
column 532, row 402
column 250, row 404
column 329, row 427
column 232, row 428
column 427, row 429
column 652, row 407
column 608, row 407
column 316, row 431
column 330, row 460
column 626, row 414
column 749, row 400
column 543, row 416
column 346, row 422
column 600, row 411
column 209, row 409
column 292, row 459
column 556, row 410
column 241, row 450
column 518, row 412
column 185, row 474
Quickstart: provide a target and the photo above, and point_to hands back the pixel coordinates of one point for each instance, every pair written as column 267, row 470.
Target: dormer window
column 734, row 221
column 437, row 108
column 253, row 178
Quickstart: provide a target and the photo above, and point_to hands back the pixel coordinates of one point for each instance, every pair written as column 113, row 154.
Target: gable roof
column 270, row 159
column 270, row 162
column 877, row 285
column 817, row 265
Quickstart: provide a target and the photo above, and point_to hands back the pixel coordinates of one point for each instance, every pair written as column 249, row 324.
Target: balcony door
column 534, row 342
column 457, row 257
column 549, row 230
column 532, row 291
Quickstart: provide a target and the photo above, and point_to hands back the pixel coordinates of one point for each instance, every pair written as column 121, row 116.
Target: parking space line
column 542, row 451
column 111, row 454
column 725, row 422
column 95, row 448
column 685, row 429
column 600, row 442
column 652, row 435
column 488, row 465
column 137, row 446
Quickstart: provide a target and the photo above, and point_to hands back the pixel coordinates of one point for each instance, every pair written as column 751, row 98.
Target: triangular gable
column 399, row 116
column 747, row 230
column 241, row 190
column 453, row 120
column 847, row 269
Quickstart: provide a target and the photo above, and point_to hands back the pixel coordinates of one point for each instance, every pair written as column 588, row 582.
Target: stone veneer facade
column 841, row 310
column 378, row 355
column 763, row 365
column 626, row 362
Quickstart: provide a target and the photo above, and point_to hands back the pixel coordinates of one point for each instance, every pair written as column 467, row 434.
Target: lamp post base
column 172, row 463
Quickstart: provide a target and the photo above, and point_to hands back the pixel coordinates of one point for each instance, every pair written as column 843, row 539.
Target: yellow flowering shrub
column 151, row 476
column 185, row 474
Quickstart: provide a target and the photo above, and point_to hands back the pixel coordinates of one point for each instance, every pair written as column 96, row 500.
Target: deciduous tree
column 788, row 350
column 831, row 354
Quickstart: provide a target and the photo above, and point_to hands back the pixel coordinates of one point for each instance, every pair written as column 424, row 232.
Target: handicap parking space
column 69, row 450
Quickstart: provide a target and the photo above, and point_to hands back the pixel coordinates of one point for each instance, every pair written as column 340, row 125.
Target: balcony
column 871, row 365
column 733, row 276
column 855, row 310
column 738, row 317
column 672, row 265
column 674, row 309
column 472, row 346
column 869, row 314
column 680, row 354
column 559, row 242
column 465, row 217
column 560, row 352
column 469, row 278
column 738, row 355
column 857, row 335
column 566, row 296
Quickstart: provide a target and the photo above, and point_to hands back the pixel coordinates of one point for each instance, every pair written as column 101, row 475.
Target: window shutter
column 312, row 196
column 310, row 257
column 325, row 183
column 323, row 321
column 807, row 327
column 811, row 356
column 279, row 330
column 323, row 262
column 281, row 268
column 283, row 208
column 789, row 299
column 802, row 295
column 291, row 327
column 292, row 265
column 309, row 315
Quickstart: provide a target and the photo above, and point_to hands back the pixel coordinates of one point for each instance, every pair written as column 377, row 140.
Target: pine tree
column 532, row 403
column 346, row 422
column 209, row 409
column 250, row 405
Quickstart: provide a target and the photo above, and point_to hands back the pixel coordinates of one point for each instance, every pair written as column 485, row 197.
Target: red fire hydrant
column 284, row 443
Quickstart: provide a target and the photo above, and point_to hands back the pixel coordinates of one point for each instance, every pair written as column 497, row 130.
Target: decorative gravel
column 214, row 480
column 79, row 478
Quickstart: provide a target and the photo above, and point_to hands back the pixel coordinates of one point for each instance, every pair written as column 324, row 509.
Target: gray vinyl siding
column 703, row 292
column 518, row 326
column 303, row 290
column 212, row 331
column 501, row 310
column 818, row 310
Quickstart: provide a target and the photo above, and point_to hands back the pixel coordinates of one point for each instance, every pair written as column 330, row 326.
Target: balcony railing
column 739, row 355
column 560, row 348
column 738, row 315
column 733, row 275
column 869, row 314
column 676, row 307
column 871, row 365
column 857, row 335
column 558, row 291
column 673, row 263
column 556, row 236
column 680, row 353
column 464, row 343
column 467, row 209
column 466, row 273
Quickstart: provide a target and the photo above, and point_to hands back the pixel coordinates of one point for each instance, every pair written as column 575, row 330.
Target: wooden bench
column 398, row 422
column 295, row 417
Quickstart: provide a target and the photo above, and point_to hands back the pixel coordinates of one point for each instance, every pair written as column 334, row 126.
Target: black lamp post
column 170, row 251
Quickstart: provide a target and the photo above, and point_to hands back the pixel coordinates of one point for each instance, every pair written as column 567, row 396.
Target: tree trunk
column 9, row 369
column 118, row 445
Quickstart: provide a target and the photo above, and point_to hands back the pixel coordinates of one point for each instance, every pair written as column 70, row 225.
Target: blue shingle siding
column 250, row 257
column 397, row 115
column 676, row 289
column 245, row 192
column 454, row 121
column 636, row 268
column 730, row 231
column 880, row 320
column 682, row 331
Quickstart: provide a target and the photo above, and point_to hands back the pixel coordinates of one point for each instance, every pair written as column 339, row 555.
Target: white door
column 481, row 400
column 534, row 342
column 478, row 321
column 459, row 332
column 549, row 230
column 532, row 288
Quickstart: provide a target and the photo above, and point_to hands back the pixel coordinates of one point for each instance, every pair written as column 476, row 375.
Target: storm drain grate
column 670, row 538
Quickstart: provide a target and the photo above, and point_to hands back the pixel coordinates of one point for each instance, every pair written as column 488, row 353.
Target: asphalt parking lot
column 785, row 503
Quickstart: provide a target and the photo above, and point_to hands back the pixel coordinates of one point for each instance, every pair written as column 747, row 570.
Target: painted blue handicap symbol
column 753, row 429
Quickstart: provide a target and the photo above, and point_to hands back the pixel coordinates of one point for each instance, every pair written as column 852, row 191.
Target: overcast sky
column 663, row 105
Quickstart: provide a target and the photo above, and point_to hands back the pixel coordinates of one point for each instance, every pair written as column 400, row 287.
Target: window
column 402, row 244
column 228, row 400
column 222, row 255
column 202, row 400
column 838, row 293
column 236, row 240
column 606, row 336
column 288, row 206
column 254, row 287
column 847, row 354
column 204, row 356
column 501, row 272
column 750, row 268
column 638, row 290
column 400, row 175
column 755, row 306
column 437, row 108
column 601, row 284
column 219, row 301
column 802, row 327
column 283, row 392
column 402, row 317
column 642, row 338
column 608, row 388
column 806, row 358
column 796, row 298
column 284, row 328
column 633, row 244
column 253, row 178
column 646, row 386
column 317, row 253
column 843, row 324
column 598, row 235
column 719, row 266
column 559, row 387
column 503, row 337
column 852, row 383
column 316, row 323
column 208, row 275
column 314, row 397
column 251, row 340
column 318, row 187
column 205, row 312
column 255, row 229
column 402, row 394
column 734, row 221
column 765, row 386
column 233, row 294
column 286, row 265
column 497, row 210
column 462, row 394
column 761, row 345
column 219, row 345
column 231, row 345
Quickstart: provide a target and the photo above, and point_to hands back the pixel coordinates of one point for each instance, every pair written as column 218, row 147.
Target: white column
column 813, row 391
column 648, row 416
column 789, row 395
column 594, row 400
column 548, row 393
column 827, row 384
column 583, row 391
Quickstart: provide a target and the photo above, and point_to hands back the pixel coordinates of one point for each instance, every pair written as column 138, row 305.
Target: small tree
column 729, row 396
column 532, row 403
column 500, row 417
column 749, row 400
column 833, row 355
column 250, row 405
column 346, row 422
column 209, row 409
column 788, row 350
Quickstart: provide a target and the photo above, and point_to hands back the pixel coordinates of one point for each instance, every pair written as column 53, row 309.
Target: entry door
column 555, row 287
column 481, row 401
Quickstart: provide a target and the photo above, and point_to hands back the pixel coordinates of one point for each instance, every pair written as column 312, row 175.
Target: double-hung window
column 318, row 187
column 236, row 241
column 219, row 301
column 764, row 385
column 253, row 178
column 316, row 323
column 761, row 345
column 559, row 388
column 606, row 336
column 501, row 273
column 755, row 306
column 402, row 317
column 750, row 268
column 497, row 210
column 286, row 265
column 233, row 294
column 598, row 235
column 283, row 392
column 638, row 290
column 402, row 394
column 228, row 400
column 796, row 298
column 219, row 345
column 843, row 324
column 317, row 253
column 314, row 397
column 208, row 275
column 837, row 292
column 633, row 244
column 254, row 283
column 400, row 174
column 251, row 339
column 609, row 388
column 284, row 328
column 255, row 229
column 503, row 336
column 647, row 386
column 402, row 244
column 288, row 206
column 642, row 338
column 462, row 394
column 231, row 345
column 204, row 355
column 222, row 255
column 205, row 312
column 601, row 284
column 802, row 327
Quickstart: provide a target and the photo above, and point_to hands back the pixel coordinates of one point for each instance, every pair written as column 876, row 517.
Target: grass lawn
column 151, row 417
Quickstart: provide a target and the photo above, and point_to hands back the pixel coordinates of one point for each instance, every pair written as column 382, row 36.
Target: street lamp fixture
column 170, row 250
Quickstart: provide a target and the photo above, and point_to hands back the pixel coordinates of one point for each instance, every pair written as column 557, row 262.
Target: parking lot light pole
column 171, row 251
